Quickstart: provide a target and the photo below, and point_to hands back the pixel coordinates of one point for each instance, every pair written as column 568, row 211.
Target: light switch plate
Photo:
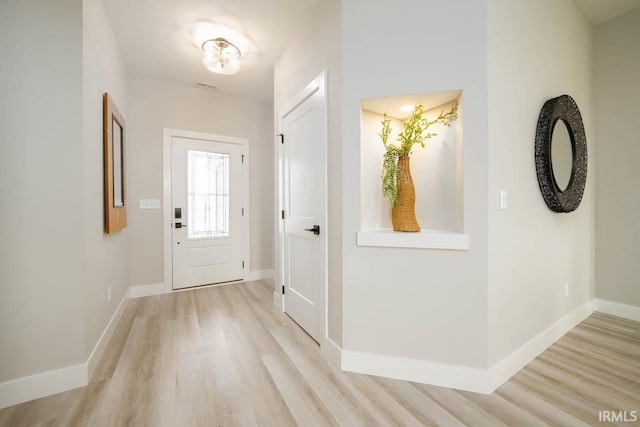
column 149, row 203
column 503, row 199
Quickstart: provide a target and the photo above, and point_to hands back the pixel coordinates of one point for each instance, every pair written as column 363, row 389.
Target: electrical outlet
column 566, row 289
column 108, row 294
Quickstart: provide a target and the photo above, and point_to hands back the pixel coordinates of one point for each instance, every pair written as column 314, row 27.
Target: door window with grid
column 208, row 194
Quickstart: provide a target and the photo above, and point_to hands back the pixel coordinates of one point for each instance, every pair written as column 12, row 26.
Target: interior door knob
column 315, row 229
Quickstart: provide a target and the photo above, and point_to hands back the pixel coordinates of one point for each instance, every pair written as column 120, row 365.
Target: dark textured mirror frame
column 561, row 108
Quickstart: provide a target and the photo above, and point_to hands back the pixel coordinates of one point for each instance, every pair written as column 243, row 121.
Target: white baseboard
column 101, row 345
column 333, row 352
column 56, row 381
column 459, row 377
column 625, row 311
column 440, row 374
column 518, row 359
column 60, row 380
column 40, row 385
column 147, row 290
column 260, row 275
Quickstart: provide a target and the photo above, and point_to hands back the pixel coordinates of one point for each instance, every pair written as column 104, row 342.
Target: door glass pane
column 208, row 194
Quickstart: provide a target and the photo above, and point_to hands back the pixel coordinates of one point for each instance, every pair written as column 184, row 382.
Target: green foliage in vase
column 414, row 131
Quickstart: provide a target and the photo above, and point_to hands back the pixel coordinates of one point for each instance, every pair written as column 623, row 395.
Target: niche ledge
column 425, row 239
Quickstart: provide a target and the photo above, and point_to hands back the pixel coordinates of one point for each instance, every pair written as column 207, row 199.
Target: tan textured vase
column 403, row 214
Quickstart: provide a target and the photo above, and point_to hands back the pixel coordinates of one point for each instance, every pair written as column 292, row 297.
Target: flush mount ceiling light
column 221, row 56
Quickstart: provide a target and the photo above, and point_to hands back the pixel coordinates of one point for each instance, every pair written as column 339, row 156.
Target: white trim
column 166, row 209
column 24, row 389
column 101, row 345
column 519, row 358
column 425, row 239
column 440, row 374
column 278, row 297
column 44, row 384
column 321, row 81
column 333, row 352
column 613, row 308
column 167, row 134
column 246, row 224
column 260, row 275
column 60, row 380
column 459, row 377
column 148, row 290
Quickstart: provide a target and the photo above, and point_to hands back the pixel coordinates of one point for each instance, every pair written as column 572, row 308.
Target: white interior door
column 206, row 210
column 304, row 191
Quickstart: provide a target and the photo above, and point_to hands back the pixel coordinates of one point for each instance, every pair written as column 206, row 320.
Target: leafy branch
column 414, row 131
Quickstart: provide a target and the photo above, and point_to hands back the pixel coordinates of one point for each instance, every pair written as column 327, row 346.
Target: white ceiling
column 162, row 38
column 599, row 11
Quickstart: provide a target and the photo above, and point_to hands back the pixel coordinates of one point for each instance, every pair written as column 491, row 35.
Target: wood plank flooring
column 223, row 356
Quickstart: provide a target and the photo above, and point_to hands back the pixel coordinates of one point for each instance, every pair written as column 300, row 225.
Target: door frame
column 288, row 104
column 167, row 222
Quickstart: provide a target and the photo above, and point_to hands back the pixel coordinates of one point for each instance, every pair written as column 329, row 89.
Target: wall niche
column 437, row 171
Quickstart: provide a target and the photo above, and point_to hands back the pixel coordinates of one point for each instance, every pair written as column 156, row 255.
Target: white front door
column 206, row 212
column 304, row 193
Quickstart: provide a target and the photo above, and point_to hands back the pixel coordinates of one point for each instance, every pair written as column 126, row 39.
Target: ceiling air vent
column 206, row 86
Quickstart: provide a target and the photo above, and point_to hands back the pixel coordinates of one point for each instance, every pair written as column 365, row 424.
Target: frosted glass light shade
column 221, row 56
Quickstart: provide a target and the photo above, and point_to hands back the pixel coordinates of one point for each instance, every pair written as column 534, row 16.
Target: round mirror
column 561, row 155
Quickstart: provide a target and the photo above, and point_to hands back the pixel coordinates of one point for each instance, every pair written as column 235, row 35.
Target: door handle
column 315, row 229
column 180, row 225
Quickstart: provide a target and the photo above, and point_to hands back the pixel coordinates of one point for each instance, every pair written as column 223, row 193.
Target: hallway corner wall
column 617, row 92
column 537, row 51
column 406, row 304
column 105, row 256
column 41, row 175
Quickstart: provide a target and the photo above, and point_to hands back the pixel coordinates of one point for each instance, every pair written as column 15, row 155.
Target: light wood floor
column 224, row 356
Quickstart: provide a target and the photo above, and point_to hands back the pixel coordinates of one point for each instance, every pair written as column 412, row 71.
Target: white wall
column 537, row 50
column 156, row 104
column 41, row 151
column 106, row 257
column 312, row 50
column 617, row 102
column 423, row 304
